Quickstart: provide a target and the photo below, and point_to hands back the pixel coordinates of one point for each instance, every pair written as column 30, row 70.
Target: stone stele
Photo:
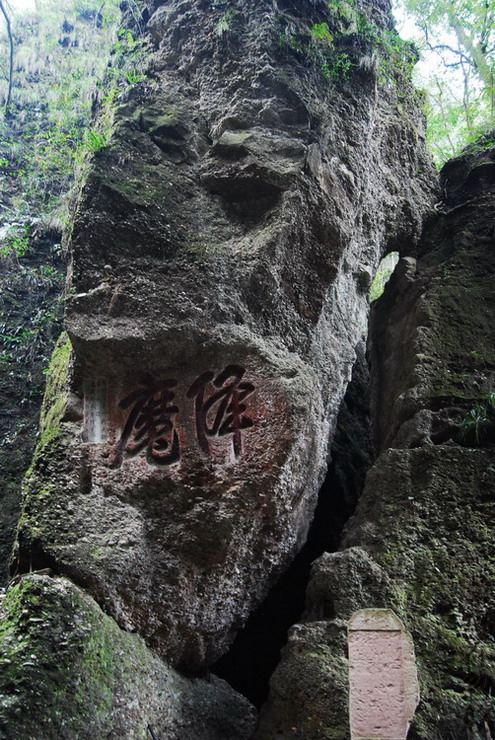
column 384, row 689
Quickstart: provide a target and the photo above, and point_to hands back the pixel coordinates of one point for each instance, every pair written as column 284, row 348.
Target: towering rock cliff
column 221, row 254
column 222, row 250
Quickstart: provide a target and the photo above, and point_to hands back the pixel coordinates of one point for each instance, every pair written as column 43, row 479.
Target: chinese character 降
column 219, row 407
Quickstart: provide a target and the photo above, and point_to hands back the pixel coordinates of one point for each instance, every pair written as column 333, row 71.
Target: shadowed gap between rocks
column 255, row 653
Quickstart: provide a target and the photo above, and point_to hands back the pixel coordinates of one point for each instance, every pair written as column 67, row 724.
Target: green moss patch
column 68, row 671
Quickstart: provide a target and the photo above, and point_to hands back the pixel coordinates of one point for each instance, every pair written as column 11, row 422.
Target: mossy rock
column 426, row 517
column 70, row 672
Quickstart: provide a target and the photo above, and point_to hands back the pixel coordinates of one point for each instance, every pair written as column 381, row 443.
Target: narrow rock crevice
column 255, row 653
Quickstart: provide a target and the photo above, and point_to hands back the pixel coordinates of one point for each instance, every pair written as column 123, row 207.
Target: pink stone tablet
column 384, row 690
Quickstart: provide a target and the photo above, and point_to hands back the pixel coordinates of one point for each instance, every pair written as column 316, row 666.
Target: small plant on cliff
column 224, row 25
column 478, row 426
column 350, row 37
column 317, row 44
column 133, row 76
column 15, row 243
column 94, row 140
column 320, row 32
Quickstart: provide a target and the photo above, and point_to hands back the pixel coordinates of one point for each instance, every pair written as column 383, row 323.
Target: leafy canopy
column 457, row 39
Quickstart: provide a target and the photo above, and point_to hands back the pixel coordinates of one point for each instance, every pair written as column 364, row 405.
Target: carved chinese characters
column 211, row 406
column 150, row 423
column 219, row 407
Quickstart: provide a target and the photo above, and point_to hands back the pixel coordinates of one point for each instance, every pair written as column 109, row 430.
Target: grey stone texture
column 221, row 253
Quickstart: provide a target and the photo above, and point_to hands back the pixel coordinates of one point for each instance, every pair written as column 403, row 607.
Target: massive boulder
column 421, row 541
column 221, row 255
column 68, row 671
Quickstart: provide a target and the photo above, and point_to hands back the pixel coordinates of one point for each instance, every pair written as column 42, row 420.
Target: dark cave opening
column 255, row 653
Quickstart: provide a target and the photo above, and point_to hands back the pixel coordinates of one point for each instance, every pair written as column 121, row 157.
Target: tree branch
column 479, row 59
column 441, row 106
column 446, row 47
column 3, row 9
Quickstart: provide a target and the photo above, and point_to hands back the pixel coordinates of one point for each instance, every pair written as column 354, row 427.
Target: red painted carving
column 150, row 424
column 219, row 408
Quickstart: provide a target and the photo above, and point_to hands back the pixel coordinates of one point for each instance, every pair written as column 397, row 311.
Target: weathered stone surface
column 426, row 518
column 310, row 687
column 432, row 335
column 447, row 369
column 383, row 680
column 421, row 541
column 223, row 243
column 69, row 672
column 423, row 522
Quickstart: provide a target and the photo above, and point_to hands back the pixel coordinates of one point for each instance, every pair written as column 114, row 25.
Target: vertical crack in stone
column 256, row 651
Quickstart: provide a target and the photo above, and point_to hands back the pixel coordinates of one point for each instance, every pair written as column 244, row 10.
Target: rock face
column 421, row 541
column 68, row 671
column 221, row 254
column 30, row 317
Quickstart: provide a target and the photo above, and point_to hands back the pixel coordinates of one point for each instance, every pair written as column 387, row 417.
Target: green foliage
column 224, row 25
column 482, row 143
column 320, row 32
column 450, row 129
column 94, row 140
column 133, row 76
column 382, row 276
column 457, row 38
column 339, row 46
column 478, row 426
column 335, row 64
column 16, row 243
column 319, row 47
column 31, row 314
column 338, row 67
column 23, row 342
column 128, row 59
column 398, row 56
column 126, row 42
column 62, row 56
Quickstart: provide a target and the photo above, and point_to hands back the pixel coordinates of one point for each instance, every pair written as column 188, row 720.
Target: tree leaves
column 460, row 36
